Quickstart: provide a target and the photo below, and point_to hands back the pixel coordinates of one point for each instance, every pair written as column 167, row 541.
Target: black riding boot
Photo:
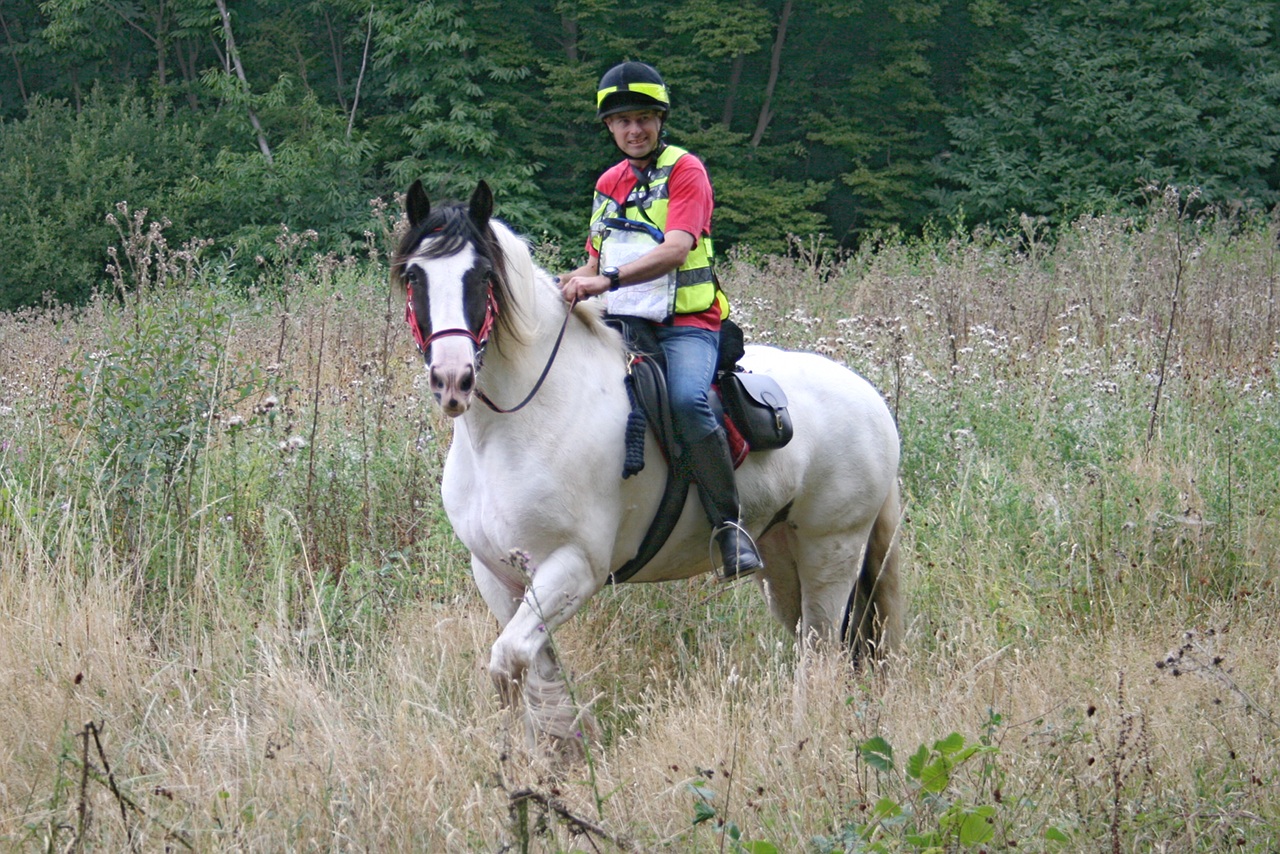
column 712, row 468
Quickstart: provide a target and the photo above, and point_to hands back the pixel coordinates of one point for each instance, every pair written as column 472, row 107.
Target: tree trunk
column 364, row 63
column 233, row 56
column 731, row 96
column 569, row 37
column 161, row 41
column 17, row 66
column 187, row 54
column 775, row 65
column 335, row 50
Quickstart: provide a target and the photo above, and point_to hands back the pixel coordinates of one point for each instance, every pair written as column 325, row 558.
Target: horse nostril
column 435, row 379
column 467, row 381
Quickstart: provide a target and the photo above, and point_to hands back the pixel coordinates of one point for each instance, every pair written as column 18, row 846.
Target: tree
column 885, row 118
column 62, row 171
column 1106, row 96
column 106, row 34
column 443, row 120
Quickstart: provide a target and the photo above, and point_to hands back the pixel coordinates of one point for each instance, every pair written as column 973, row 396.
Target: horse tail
column 873, row 618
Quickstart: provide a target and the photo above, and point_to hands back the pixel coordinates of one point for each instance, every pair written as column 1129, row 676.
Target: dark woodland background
column 854, row 120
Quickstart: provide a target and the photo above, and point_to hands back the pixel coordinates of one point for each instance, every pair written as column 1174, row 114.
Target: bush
column 62, row 171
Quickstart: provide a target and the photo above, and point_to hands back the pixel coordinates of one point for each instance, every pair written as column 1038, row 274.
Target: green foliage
column 148, row 399
column 935, row 800
column 62, row 171
column 446, row 128
column 1106, row 98
column 853, row 120
column 762, row 217
column 886, row 120
column 318, row 174
column 704, row 811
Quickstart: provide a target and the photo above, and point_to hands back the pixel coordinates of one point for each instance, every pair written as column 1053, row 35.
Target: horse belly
column 843, row 460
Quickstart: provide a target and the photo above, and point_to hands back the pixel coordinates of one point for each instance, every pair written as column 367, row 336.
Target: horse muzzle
column 453, row 358
column 452, row 387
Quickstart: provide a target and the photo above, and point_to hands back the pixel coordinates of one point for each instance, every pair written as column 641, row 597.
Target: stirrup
column 724, row 576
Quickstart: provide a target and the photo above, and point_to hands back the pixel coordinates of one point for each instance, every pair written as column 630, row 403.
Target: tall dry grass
column 278, row 646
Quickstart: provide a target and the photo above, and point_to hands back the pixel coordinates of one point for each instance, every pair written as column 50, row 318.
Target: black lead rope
column 546, row 370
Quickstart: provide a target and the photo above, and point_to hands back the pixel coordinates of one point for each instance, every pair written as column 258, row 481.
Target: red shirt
column 690, row 202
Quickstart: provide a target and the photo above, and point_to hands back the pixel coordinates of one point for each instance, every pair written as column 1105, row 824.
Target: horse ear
column 481, row 205
column 416, row 204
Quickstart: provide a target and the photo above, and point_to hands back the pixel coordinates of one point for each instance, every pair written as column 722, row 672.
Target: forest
column 249, row 127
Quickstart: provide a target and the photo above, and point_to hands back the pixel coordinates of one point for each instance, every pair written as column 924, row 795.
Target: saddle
column 752, row 408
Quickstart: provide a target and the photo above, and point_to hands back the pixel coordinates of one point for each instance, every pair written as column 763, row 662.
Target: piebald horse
column 532, row 484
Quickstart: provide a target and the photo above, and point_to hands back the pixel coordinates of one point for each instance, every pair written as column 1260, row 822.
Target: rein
column 545, row 370
column 481, row 341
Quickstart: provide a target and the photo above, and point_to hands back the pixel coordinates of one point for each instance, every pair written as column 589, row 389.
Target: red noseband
column 480, row 339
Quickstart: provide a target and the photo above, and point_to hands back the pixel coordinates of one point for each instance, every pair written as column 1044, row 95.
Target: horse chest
column 498, row 502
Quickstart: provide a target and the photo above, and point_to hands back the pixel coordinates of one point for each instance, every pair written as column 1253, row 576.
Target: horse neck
column 513, row 365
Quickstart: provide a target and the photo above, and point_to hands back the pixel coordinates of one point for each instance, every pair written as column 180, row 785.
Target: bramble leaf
column 877, row 753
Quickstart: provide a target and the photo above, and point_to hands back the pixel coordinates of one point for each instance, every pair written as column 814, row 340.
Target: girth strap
column 669, row 509
column 650, row 390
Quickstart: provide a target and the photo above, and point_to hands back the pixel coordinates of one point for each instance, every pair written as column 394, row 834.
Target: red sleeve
column 690, row 198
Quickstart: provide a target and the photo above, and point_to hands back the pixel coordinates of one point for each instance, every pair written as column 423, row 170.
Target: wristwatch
column 613, row 275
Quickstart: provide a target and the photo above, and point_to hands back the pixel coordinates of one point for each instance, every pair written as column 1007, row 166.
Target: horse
column 534, row 489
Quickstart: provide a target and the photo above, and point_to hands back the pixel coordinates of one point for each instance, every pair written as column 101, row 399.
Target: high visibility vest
column 696, row 288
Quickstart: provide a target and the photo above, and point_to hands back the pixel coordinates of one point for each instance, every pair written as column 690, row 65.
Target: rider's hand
column 580, row 287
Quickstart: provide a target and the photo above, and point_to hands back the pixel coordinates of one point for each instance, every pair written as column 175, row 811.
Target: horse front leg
column 523, row 658
column 502, row 592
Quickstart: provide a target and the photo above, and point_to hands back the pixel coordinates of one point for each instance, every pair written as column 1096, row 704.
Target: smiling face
column 635, row 132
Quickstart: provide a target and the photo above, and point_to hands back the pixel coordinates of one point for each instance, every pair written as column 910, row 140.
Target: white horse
column 541, row 480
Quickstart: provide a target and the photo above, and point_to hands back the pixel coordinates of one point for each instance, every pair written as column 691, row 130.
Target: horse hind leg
column 827, row 566
column 873, row 623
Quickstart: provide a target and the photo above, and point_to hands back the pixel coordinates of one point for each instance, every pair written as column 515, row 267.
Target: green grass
column 276, row 638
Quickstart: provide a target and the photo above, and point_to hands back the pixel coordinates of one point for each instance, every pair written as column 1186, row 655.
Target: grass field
column 233, row 616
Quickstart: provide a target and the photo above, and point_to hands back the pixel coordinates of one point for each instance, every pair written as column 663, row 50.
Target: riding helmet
column 631, row 86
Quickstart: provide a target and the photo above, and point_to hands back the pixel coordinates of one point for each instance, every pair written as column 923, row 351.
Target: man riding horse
column 650, row 253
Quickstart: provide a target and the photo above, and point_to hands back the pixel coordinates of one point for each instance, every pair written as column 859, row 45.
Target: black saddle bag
column 758, row 407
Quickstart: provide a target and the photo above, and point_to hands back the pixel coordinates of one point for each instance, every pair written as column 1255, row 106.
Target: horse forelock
column 445, row 232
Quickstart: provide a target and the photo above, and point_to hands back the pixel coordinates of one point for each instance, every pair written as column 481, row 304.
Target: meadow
column 233, row 616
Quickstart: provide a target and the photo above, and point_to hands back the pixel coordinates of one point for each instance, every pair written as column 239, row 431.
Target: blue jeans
column 691, row 366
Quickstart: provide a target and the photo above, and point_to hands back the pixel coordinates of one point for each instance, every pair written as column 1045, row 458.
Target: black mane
column 452, row 227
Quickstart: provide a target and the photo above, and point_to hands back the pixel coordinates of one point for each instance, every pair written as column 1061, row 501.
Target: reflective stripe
column 654, row 90
column 696, row 290
column 694, row 277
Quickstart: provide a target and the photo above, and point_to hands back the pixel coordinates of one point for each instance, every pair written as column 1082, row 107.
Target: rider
column 650, row 252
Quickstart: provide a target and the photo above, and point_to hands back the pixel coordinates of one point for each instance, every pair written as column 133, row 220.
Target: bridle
column 481, row 340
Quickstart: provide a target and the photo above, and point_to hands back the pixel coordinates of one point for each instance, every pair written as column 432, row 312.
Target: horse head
column 454, row 275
